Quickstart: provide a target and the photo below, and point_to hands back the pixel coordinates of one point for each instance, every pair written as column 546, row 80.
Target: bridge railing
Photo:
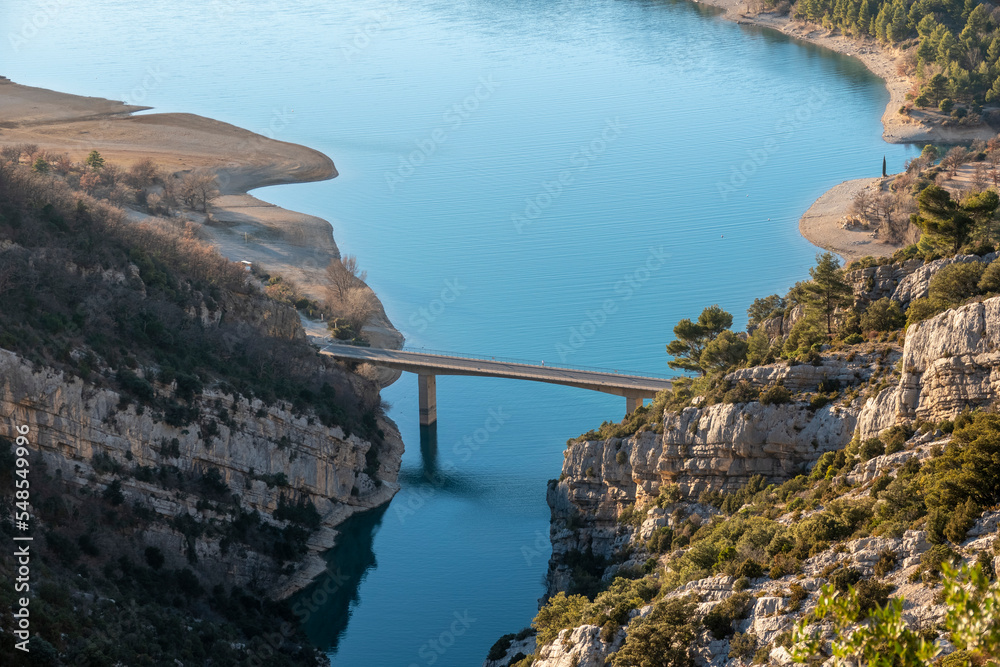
column 516, row 360
column 535, row 362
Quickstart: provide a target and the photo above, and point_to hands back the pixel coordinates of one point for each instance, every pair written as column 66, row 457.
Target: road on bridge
column 634, row 387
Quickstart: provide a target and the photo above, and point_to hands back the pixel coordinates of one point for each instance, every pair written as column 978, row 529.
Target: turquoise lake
column 507, row 171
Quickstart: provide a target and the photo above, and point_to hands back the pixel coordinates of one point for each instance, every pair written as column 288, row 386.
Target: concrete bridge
column 427, row 366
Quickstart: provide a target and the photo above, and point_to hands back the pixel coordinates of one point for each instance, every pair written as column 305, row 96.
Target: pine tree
column 865, row 17
column 947, row 48
column 882, row 23
column 827, row 290
column 898, row 28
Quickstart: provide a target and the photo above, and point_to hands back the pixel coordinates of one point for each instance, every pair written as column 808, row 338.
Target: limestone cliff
column 609, row 502
column 950, row 362
column 262, row 452
column 713, row 448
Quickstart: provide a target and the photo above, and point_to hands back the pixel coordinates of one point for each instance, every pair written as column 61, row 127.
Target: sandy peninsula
column 281, row 242
column 821, row 223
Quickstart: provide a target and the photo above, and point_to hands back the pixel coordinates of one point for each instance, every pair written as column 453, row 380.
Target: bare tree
column 954, row 159
column 359, row 306
column 884, row 205
column 979, row 177
column 29, row 151
column 198, row 188
column 10, row 153
column 344, row 275
column 143, row 174
column 895, row 227
column 862, row 204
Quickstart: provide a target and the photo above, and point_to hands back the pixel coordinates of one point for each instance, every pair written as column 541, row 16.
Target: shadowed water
column 509, row 172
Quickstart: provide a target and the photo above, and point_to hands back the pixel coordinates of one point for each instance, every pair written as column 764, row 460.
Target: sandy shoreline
column 281, row 242
column 820, row 224
column 881, row 61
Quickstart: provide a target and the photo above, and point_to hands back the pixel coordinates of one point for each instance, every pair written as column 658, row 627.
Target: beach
column 293, row 245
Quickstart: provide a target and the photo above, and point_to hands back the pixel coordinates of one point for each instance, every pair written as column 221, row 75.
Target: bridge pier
column 427, row 389
column 631, row 403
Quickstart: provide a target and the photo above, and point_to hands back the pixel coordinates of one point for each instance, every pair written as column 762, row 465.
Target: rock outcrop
column 950, row 362
column 715, row 448
column 261, row 452
column 917, row 284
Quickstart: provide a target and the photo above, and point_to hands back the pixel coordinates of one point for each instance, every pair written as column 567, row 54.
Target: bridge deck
column 609, row 382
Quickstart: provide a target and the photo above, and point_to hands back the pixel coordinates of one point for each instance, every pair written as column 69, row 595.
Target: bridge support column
column 631, row 403
column 427, row 385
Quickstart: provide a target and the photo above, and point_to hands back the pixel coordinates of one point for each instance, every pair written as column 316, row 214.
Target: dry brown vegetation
column 351, row 304
column 92, row 293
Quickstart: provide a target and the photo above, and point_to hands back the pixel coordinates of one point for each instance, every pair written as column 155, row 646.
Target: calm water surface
column 558, row 180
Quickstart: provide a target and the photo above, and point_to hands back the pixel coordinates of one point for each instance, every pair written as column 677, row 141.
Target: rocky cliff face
column 950, row 362
column 714, row 448
column 262, row 452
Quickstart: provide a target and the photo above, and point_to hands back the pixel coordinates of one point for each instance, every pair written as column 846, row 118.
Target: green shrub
column 661, row 540
column 871, row 448
column 609, row 631
column 154, row 557
column 961, row 521
column 663, row 638
column 796, row 595
column 742, row 392
column 668, row 495
column 743, row 645
column 895, row 437
column 854, row 339
column 750, row 569
column 843, row 578
column 113, row 493
column 989, row 283
column 932, row 560
column 719, row 620
column 922, row 309
column 880, row 484
column 805, row 334
column 883, row 315
column 499, row 649
column 64, row 548
column 560, row 612
column 886, row 563
column 955, row 283
column 775, row 394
